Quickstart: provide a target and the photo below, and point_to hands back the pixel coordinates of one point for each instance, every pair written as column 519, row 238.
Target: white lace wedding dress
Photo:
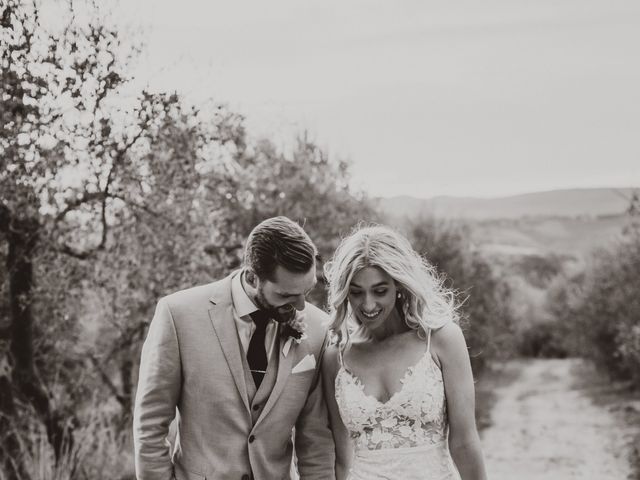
column 404, row 438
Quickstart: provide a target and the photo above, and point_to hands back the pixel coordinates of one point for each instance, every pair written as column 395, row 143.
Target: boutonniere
column 293, row 331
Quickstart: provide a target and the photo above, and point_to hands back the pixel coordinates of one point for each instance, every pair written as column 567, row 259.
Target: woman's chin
column 372, row 323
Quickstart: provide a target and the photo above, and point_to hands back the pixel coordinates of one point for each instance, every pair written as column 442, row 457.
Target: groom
column 236, row 363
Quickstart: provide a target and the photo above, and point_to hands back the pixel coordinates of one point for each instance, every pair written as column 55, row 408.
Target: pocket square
column 307, row 363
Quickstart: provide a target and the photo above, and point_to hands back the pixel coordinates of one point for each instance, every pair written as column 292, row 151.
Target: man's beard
column 280, row 314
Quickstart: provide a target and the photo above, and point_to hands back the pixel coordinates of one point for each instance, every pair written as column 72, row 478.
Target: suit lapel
column 221, row 316
column 285, row 364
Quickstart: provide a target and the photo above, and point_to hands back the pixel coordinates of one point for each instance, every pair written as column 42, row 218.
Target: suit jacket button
column 256, row 407
column 251, row 438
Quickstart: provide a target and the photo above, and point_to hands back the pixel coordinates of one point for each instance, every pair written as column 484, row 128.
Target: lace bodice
column 414, row 416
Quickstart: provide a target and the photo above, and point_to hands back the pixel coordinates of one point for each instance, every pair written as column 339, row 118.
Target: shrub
column 543, row 340
column 484, row 297
column 605, row 311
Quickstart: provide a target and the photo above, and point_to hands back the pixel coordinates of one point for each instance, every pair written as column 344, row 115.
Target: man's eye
column 381, row 292
column 354, row 294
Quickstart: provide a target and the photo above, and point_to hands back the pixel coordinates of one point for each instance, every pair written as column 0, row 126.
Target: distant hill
column 569, row 236
column 591, row 202
column 562, row 222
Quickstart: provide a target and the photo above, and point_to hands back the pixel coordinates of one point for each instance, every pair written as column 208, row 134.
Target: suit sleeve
column 315, row 448
column 344, row 447
column 156, row 397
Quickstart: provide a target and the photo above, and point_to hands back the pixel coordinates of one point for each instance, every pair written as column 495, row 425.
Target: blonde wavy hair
column 425, row 303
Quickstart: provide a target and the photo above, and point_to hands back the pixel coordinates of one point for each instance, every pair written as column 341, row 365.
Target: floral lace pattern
column 414, row 416
column 431, row 462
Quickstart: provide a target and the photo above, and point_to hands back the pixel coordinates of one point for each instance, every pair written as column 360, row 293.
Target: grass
column 495, row 376
column 96, row 450
column 622, row 399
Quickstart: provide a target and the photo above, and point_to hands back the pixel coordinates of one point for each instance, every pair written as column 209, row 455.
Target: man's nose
column 299, row 303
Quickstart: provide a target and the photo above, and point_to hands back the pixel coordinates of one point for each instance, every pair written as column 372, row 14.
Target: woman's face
column 372, row 296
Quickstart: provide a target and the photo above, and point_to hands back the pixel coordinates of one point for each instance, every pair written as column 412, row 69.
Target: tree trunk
column 22, row 237
column 10, row 450
column 10, row 453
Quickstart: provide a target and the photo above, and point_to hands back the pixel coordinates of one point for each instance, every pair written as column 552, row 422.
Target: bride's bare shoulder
column 449, row 332
column 448, row 341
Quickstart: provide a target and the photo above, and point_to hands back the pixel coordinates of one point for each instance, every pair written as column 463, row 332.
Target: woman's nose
column 369, row 303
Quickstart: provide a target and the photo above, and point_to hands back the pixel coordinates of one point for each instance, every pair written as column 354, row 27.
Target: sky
column 424, row 97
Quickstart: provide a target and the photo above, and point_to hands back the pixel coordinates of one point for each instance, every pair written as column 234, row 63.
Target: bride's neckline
column 407, row 373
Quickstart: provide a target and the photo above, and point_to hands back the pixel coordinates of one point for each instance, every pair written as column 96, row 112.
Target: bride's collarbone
column 403, row 347
column 381, row 368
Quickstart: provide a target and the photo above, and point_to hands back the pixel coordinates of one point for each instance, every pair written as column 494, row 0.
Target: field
column 564, row 236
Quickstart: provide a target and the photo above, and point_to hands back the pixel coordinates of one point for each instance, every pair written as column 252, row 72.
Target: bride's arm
column 450, row 349
column 330, row 366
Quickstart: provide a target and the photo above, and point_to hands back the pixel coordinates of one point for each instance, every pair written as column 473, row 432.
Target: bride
column 398, row 380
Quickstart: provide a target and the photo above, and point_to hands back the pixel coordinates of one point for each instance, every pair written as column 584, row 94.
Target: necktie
column 256, row 353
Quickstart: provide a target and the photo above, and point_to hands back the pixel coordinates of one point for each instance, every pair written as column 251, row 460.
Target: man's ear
column 251, row 278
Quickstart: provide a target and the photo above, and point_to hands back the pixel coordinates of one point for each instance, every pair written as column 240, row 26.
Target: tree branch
column 107, row 381
column 139, row 206
column 83, row 255
column 87, row 197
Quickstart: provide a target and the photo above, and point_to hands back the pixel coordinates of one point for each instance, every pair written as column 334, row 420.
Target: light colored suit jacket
column 193, row 368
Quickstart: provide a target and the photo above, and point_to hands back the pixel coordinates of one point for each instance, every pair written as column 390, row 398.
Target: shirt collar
column 241, row 301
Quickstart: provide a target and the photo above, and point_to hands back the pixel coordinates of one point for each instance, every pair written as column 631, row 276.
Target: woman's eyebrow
column 383, row 283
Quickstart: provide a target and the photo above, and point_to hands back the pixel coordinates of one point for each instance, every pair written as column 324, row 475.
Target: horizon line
column 530, row 192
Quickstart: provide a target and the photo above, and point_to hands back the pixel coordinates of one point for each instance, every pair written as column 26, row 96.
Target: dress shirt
column 242, row 308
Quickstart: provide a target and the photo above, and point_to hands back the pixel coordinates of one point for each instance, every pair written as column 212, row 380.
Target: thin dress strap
column 341, row 350
column 428, row 340
column 340, row 355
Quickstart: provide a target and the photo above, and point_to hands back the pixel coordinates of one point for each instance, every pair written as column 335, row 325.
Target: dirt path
column 544, row 427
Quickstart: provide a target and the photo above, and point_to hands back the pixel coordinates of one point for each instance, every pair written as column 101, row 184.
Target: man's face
column 285, row 294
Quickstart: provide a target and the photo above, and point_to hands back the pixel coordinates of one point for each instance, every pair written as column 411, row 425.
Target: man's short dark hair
column 279, row 241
